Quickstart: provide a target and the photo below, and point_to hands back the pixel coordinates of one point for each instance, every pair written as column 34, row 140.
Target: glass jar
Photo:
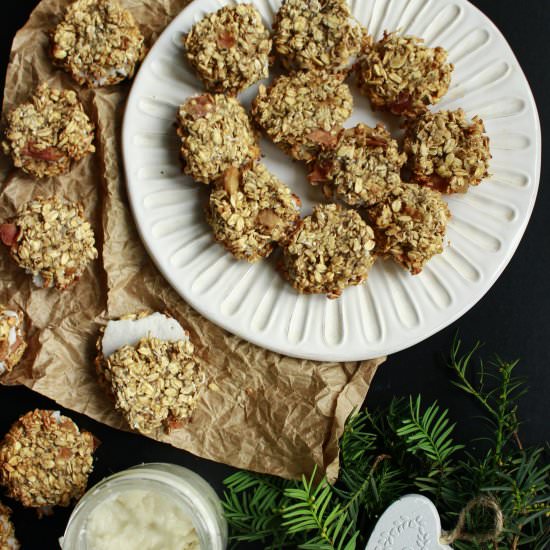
column 188, row 490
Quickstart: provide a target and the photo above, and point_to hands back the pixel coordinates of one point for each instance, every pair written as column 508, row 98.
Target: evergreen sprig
column 409, row 447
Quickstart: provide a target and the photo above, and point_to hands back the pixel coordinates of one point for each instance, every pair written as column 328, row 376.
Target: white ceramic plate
column 393, row 310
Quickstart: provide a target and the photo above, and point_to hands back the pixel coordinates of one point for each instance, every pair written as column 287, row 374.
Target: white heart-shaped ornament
column 410, row 523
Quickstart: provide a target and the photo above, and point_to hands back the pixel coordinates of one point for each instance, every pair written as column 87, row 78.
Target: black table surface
column 512, row 319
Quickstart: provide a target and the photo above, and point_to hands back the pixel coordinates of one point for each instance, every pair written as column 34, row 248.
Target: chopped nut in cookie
column 148, row 365
column 48, row 133
column 316, row 34
column 98, row 43
column 12, row 338
column 401, row 75
column 51, row 240
column 7, row 532
column 361, row 169
column 45, row 460
column 410, row 225
column 229, row 49
column 303, row 113
column 215, row 133
column 331, row 250
column 447, row 152
column 250, row 209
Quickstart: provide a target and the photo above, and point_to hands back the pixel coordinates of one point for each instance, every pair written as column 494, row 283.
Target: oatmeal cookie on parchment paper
column 447, row 152
column 250, row 210
column 50, row 239
column 361, row 169
column 316, row 35
column 401, row 75
column 45, row 460
column 410, row 225
column 7, row 532
column 45, row 135
column 331, row 250
column 98, row 43
column 229, row 49
column 216, row 133
column 12, row 338
column 148, row 365
column 303, row 113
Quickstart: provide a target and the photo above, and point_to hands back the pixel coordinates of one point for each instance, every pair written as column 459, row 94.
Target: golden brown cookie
column 98, row 43
column 51, row 240
column 215, row 133
column 12, row 338
column 250, row 210
column 363, row 166
column 45, row 460
column 447, row 152
column 229, row 49
column 410, row 225
column 303, row 113
column 316, row 34
column 47, row 134
column 401, row 75
column 330, row 251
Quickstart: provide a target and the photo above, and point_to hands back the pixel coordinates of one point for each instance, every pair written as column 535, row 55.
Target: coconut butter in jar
column 148, row 507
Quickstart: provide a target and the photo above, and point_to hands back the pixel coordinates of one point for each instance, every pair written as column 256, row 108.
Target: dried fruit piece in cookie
column 229, row 49
column 401, row 75
column 330, row 251
column 47, row 134
column 52, row 240
column 410, row 225
column 12, row 338
column 215, row 133
column 364, row 165
column 148, row 364
column 316, row 34
column 250, row 209
column 447, row 152
column 7, row 532
column 303, row 113
column 98, row 43
column 45, row 460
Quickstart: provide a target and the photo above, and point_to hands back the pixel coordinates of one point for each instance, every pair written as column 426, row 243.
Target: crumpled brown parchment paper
column 261, row 411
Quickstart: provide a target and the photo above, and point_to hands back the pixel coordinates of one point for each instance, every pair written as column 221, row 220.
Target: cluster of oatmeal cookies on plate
column 384, row 196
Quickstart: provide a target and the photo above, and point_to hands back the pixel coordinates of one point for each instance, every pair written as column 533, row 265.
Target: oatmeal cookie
column 330, row 251
column 47, row 134
column 316, row 34
column 215, row 133
column 401, row 75
column 52, row 240
column 155, row 383
column 250, row 210
column 98, row 43
column 303, row 113
column 7, row 532
column 229, row 49
column 12, row 338
column 446, row 152
column 364, row 165
column 410, row 225
column 45, row 460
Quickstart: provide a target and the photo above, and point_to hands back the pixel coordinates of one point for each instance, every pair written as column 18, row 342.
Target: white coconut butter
column 128, row 332
column 140, row 520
